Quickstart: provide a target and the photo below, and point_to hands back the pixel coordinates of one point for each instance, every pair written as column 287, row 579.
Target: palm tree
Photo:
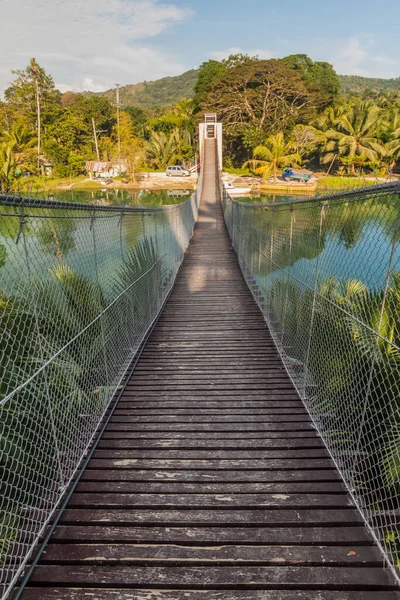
column 8, row 166
column 354, row 134
column 162, row 149
column 274, row 155
column 18, row 137
column 184, row 109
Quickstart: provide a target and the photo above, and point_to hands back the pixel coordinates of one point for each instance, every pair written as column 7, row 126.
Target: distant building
column 46, row 167
column 104, row 169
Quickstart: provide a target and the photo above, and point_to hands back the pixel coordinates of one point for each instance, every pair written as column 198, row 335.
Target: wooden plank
column 373, row 578
column 207, row 426
column 231, row 465
column 193, row 377
column 112, row 474
column 215, row 535
column 264, row 386
column 286, row 436
column 175, row 409
column 90, row 593
column 167, row 487
column 231, row 555
column 272, row 396
column 175, row 444
column 214, row 501
column 212, row 392
column 196, row 454
column 212, row 517
column 236, row 407
column 214, row 419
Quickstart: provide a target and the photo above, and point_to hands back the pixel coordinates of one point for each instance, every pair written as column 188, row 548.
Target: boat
column 236, row 191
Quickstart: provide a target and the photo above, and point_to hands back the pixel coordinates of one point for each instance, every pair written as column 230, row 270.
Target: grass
column 237, row 171
column 335, row 182
column 47, row 183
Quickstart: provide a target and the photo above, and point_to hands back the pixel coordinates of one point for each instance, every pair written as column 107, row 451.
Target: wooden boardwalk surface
column 210, row 482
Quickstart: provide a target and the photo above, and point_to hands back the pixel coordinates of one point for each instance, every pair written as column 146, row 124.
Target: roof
column 93, row 165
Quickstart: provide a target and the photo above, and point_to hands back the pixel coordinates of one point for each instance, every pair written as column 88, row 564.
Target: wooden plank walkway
column 210, row 482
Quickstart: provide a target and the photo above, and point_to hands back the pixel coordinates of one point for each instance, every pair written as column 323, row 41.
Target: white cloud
column 222, row 54
column 84, row 43
column 355, row 57
column 352, row 55
column 383, row 60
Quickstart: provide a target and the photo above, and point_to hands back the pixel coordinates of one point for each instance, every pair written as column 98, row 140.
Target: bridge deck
column 210, row 481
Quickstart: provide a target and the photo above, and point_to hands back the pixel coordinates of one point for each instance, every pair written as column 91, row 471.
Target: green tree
column 132, row 151
column 208, row 73
column 162, row 149
column 355, row 135
column 321, row 75
column 8, row 166
column 306, row 140
column 18, row 137
column 21, row 95
column 275, row 154
column 260, row 96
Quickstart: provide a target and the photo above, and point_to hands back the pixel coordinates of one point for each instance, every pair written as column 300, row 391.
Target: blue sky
column 92, row 44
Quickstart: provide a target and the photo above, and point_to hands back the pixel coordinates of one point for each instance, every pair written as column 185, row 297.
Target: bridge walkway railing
column 80, row 288
column 326, row 274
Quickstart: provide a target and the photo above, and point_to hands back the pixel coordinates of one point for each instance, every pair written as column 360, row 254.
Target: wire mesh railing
column 80, row 287
column 326, row 275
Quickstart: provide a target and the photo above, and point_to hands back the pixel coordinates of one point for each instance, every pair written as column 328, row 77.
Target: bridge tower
column 211, row 129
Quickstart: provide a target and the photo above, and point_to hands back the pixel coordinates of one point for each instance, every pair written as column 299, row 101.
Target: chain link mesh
column 80, row 287
column 326, row 275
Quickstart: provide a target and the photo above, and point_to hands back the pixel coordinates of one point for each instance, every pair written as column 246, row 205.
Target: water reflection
column 352, row 240
column 50, row 236
column 117, row 197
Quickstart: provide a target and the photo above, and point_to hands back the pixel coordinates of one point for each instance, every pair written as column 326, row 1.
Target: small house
column 105, row 169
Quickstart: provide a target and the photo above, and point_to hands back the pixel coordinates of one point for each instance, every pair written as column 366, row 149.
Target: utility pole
column 118, row 130
column 95, row 139
column 35, row 75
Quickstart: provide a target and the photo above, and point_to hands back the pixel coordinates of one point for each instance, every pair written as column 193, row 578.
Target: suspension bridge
column 182, row 438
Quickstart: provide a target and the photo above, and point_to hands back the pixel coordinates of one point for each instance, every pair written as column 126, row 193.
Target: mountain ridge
column 169, row 90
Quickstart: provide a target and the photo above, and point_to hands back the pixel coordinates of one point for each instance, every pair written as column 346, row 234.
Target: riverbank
column 159, row 181
column 319, row 183
column 145, row 181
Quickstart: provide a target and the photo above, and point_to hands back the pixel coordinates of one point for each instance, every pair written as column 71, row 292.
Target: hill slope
column 162, row 92
column 170, row 90
column 358, row 84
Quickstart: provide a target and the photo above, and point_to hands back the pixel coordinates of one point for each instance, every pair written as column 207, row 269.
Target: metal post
column 307, row 357
column 285, row 306
column 118, row 124
column 95, row 140
column 120, row 235
column 42, row 355
column 103, row 339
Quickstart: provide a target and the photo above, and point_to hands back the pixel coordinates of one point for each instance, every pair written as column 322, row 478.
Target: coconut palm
column 162, row 148
column 354, row 134
column 8, row 165
column 184, row 109
column 327, row 120
column 274, row 155
column 391, row 125
column 18, row 137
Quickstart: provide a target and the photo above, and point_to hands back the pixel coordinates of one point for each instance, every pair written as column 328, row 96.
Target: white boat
column 236, row 191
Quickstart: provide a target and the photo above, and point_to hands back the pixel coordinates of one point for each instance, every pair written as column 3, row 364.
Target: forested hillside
column 170, row 90
column 358, row 85
column 162, row 92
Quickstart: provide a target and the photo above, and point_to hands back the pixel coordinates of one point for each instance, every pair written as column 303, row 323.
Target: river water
column 358, row 239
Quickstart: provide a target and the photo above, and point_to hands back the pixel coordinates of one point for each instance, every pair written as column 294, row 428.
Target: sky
column 94, row 44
